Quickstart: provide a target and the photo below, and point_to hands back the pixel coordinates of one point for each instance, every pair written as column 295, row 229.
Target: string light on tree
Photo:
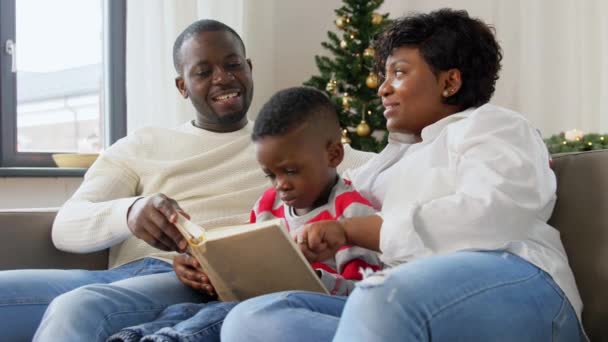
column 343, row 44
column 369, row 52
column 332, row 85
column 346, row 101
column 345, row 139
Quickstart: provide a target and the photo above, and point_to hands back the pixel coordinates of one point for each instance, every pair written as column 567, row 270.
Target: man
column 129, row 199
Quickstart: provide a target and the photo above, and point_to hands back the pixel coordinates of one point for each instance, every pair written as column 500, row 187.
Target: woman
column 464, row 211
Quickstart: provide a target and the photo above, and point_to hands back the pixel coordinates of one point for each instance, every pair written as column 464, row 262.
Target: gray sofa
column 581, row 215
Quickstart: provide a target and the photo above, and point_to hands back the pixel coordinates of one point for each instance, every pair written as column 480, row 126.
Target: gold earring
column 446, row 93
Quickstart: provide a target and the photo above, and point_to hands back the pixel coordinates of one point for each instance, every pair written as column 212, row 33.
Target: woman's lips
column 389, row 108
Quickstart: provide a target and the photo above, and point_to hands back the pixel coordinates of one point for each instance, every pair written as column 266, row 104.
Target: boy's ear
column 181, row 86
column 335, row 153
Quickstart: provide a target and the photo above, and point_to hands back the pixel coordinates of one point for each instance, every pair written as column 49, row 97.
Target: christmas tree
column 348, row 77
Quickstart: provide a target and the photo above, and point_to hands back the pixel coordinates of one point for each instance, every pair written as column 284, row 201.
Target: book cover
column 250, row 260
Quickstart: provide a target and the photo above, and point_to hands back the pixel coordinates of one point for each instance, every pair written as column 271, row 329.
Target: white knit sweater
column 213, row 176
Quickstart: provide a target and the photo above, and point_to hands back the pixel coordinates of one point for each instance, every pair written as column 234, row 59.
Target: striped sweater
column 340, row 273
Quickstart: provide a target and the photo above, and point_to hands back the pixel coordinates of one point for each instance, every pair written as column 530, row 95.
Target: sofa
column 581, row 216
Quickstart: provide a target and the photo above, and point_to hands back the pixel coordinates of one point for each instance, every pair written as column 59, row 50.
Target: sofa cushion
column 581, row 216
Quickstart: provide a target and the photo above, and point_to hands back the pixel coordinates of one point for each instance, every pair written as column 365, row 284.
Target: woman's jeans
column 464, row 296
column 86, row 305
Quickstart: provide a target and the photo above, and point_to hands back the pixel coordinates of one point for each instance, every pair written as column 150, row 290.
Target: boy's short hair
column 290, row 108
column 448, row 39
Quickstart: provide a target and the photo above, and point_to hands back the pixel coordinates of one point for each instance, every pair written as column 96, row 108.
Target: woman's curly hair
column 448, row 39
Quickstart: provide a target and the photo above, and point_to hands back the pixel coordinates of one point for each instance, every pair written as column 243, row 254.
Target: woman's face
column 411, row 93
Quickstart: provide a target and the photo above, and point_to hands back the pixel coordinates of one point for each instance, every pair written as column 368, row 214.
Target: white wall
column 26, row 192
column 282, row 38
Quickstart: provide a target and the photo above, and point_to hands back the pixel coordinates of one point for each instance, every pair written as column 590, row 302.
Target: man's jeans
column 86, row 305
column 464, row 296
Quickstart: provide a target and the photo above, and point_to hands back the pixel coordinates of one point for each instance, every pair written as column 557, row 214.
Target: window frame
column 114, row 76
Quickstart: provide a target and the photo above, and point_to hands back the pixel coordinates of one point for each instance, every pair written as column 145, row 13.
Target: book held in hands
column 250, row 260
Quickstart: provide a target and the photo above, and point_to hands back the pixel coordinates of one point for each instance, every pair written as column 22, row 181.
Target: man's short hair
column 290, row 108
column 200, row 26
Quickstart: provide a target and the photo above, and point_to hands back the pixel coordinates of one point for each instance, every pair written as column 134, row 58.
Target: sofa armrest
column 581, row 216
column 25, row 242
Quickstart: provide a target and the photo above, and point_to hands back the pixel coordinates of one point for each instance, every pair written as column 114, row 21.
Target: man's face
column 216, row 77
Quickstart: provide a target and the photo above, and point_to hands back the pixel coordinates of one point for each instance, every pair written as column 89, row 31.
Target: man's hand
column 189, row 272
column 321, row 240
column 152, row 219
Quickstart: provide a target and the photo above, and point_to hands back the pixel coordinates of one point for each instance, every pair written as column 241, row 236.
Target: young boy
column 297, row 143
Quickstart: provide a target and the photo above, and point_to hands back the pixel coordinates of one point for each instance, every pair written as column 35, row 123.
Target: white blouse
column 479, row 180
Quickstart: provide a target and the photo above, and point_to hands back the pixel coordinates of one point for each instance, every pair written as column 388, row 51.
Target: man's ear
column 250, row 65
column 451, row 82
column 180, row 84
column 335, row 153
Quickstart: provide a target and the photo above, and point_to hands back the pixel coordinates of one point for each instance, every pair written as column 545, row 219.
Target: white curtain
column 555, row 67
column 152, row 26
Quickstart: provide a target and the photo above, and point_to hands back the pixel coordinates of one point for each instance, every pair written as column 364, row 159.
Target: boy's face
column 300, row 167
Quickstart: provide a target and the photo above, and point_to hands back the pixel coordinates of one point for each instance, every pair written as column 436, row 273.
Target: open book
column 250, row 260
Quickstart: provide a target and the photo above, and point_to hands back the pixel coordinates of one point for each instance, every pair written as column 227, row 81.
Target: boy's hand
column 152, row 219
column 321, row 240
column 189, row 272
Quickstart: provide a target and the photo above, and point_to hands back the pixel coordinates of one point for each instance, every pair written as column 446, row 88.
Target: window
column 62, row 82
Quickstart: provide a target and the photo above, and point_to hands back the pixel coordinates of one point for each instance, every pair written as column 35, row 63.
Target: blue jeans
column 464, row 296
column 86, row 305
column 180, row 322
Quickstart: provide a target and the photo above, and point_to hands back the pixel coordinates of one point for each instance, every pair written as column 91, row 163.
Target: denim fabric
column 464, row 296
column 26, row 294
column 180, row 322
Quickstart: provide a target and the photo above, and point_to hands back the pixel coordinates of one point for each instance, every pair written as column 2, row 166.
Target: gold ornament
column 372, row 80
column 331, row 85
column 341, row 23
column 369, row 52
column 343, row 44
column 363, row 129
column 377, row 18
column 346, row 101
column 345, row 139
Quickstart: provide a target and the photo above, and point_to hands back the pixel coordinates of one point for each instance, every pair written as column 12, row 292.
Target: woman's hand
column 321, row 240
column 189, row 272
